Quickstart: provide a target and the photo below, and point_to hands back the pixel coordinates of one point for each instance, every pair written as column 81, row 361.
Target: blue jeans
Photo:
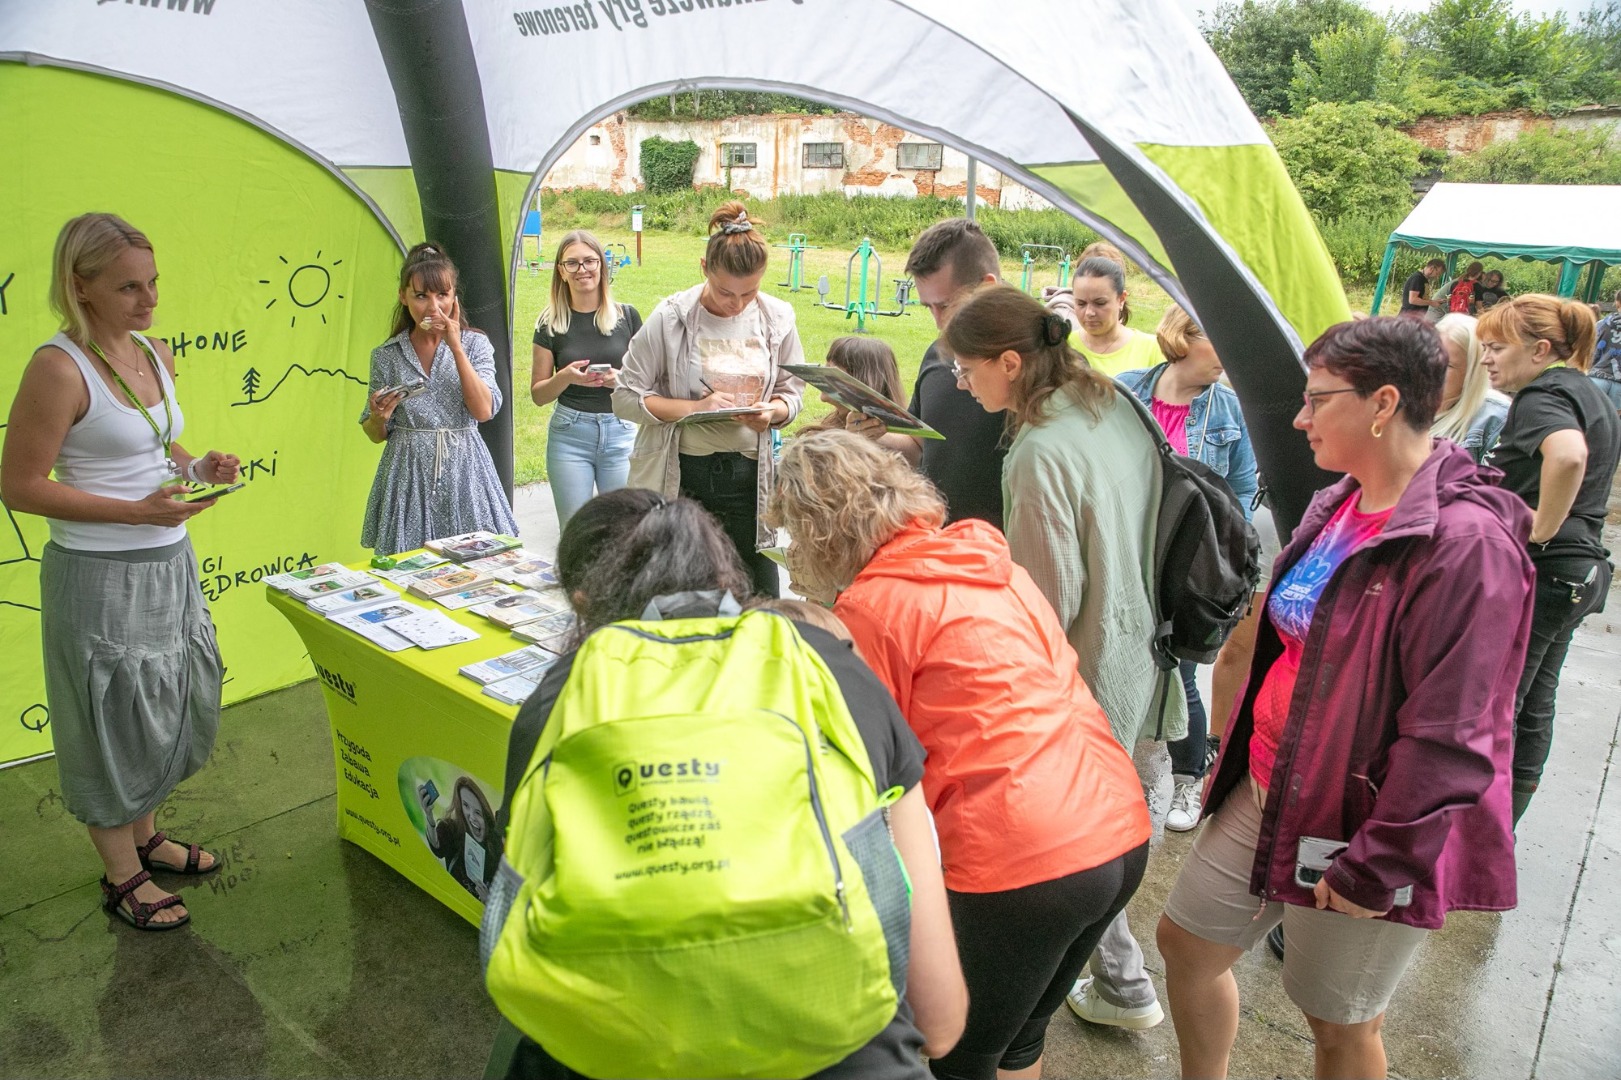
column 586, row 454
column 1187, row 755
column 1611, row 388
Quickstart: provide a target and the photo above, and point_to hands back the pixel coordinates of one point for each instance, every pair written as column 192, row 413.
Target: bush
column 1544, row 156
column 1346, row 162
column 667, row 166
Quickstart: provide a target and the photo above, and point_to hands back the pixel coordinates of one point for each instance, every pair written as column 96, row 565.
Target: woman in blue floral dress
column 436, row 477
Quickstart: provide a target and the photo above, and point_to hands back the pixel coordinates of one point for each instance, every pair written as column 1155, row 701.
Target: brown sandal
column 138, row 913
column 194, row 857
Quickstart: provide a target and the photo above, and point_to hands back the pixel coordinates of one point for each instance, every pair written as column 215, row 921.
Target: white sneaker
column 1184, row 813
column 1084, row 1002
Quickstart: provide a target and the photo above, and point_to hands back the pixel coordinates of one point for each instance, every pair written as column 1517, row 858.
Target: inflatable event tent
column 281, row 154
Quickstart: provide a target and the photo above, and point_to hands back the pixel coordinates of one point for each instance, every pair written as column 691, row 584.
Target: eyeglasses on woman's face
column 575, row 266
column 1310, row 397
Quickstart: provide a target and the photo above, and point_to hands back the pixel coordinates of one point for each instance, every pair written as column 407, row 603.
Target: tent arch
column 1097, row 222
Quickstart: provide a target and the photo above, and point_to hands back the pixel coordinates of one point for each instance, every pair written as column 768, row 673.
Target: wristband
column 191, row 470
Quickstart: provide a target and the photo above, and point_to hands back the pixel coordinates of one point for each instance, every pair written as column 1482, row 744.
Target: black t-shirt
column 967, row 465
column 1416, row 283
column 897, row 761
column 583, row 341
column 1561, row 399
column 1486, row 296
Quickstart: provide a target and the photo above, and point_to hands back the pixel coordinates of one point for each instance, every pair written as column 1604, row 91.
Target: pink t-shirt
column 1291, row 606
column 1173, row 420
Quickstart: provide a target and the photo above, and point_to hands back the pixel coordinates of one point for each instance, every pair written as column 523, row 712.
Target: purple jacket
column 1400, row 730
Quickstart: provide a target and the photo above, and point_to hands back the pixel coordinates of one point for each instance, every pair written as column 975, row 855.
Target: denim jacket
column 1216, row 432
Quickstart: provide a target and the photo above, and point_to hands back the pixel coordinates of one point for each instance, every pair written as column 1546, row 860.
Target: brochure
column 350, row 599
column 473, row 545
column 551, row 633
column 842, row 388
column 445, row 579
column 372, row 623
column 403, row 570
column 331, row 583
column 521, row 607
column 432, row 630
column 514, row 690
column 526, row 661
column 479, row 594
column 710, row 416
column 526, row 567
column 283, row 582
column 494, row 564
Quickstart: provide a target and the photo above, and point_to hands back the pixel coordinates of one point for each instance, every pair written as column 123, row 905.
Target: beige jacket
column 662, row 361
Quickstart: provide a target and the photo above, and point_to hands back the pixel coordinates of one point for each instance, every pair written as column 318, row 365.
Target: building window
column 596, row 140
column 737, row 155
column 919, row 155
column 824, row 155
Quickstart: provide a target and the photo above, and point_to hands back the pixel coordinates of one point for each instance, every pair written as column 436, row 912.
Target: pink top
column 1173, row 420
column 1291, row 606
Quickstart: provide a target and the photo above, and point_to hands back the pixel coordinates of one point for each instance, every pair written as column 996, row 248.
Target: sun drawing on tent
column 308, row 286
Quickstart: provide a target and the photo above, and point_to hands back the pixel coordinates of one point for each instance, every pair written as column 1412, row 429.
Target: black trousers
column 727, row 485
column 1021, row 951
column 1567, row 591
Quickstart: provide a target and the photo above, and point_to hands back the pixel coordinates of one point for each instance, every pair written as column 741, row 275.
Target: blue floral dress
column 436, row 477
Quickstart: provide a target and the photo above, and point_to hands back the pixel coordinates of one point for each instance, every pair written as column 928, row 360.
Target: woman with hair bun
column 1558, row 450
column 719, row 345
column 436, row 477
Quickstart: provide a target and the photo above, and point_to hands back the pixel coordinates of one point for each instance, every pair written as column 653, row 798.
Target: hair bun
column 1054, row 329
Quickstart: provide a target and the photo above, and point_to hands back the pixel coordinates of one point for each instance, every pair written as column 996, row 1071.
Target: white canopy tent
column 1573, row 225
column 256, row 140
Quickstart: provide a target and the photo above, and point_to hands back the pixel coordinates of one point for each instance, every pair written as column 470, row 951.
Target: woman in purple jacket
column 1363, row 788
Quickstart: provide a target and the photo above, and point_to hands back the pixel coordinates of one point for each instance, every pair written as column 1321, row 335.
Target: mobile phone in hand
column 213, row 491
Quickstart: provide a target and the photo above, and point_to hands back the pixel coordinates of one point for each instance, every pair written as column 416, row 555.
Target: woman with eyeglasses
column 1363, row 787
column 704, row 381
column 580, row 343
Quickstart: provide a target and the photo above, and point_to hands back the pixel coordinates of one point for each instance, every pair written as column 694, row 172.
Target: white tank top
column 112, row 451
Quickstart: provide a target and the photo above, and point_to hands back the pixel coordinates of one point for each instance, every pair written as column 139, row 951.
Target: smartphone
column 1313, row 856
column 430, row 793
column 214, row 492
column 598, row 369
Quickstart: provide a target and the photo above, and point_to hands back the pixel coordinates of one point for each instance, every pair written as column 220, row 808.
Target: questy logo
column 628, row 776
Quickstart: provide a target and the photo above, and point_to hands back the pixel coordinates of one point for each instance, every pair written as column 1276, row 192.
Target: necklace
column 165, row 436
column 134, row 368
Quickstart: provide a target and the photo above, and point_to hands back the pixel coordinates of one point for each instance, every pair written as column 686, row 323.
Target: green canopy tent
column 1577, row 227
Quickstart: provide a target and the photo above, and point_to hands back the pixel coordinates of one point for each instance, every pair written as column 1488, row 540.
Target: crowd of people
column 985, row 603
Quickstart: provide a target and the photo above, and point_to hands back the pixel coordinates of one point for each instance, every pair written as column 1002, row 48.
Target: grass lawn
column 670, row 264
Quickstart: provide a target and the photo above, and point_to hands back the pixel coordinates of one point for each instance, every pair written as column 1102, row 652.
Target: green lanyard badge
column 165, row 437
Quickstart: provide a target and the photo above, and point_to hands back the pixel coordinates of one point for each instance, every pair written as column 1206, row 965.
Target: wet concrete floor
column 306, row 957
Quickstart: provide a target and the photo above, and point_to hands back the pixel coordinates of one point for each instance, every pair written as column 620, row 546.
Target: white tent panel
column 542, row 75
column 308, row 70
column 1137, row 69
column 1519, row 216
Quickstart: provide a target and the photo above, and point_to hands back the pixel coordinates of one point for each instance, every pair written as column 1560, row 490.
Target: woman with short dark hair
column 1377, row 687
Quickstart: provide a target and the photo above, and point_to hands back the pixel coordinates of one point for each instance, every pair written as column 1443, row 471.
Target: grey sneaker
column 1084, row 1002
column 1184, row 813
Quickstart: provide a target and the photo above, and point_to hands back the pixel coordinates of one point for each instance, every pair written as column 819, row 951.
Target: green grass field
column 670, row 264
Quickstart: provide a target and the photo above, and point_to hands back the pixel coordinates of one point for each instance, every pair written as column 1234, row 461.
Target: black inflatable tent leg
column 428, row 52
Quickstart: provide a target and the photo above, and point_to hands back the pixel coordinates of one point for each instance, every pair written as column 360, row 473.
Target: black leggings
column 1021, row 951
column 727, row 485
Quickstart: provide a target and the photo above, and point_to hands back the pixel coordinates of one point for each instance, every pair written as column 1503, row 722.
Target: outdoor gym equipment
column 1028, row 256
column 872, row 274
column 796, row 261
column 615, row 262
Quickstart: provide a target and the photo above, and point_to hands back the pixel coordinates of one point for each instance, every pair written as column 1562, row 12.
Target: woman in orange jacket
column 1043, row 830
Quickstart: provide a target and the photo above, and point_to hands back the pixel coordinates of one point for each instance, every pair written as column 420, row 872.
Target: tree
column 1259, row 40
column 667, row 166
column 1544, row 156
column 719, row 104
column 1351, row 63
column 1346, row 160
column 250, row 383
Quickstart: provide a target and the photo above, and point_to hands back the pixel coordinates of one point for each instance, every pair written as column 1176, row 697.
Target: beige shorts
column 1336, row 968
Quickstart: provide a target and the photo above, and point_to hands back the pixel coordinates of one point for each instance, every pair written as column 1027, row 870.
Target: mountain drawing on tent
column 253, row 382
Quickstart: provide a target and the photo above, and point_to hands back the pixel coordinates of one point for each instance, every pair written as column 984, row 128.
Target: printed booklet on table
column 522, row 607
column 479, row 594
column 473, row 545
column 432, row 630
column 526, row 661
column 350, row 599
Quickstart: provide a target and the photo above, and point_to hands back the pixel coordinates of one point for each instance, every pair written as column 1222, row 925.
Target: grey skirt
column 132, row 676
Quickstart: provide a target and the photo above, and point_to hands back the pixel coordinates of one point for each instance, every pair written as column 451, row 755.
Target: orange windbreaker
column 1023, row 776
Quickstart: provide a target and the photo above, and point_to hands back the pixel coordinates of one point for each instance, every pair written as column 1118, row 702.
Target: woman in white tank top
column 132, row 670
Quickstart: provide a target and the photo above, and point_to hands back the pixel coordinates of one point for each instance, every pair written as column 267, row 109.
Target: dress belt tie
column 441, row 446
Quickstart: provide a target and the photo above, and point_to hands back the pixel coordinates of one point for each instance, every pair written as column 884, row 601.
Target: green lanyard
column 165, row 437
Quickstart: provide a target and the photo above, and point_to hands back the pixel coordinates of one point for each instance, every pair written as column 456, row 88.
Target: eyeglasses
column 1310, row 397
column 574, row 266
column 959, row 372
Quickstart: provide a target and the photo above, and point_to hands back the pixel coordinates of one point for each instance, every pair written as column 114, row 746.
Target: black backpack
column 1207, row 557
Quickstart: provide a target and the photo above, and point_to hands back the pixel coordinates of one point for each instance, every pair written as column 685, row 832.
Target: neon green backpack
column 698, row 880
